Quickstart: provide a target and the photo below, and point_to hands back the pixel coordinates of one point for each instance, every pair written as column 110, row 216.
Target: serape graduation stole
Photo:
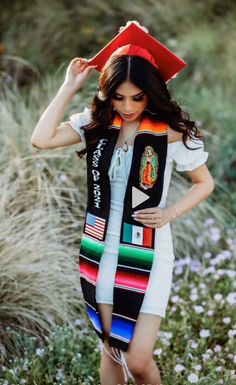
column 136, row 249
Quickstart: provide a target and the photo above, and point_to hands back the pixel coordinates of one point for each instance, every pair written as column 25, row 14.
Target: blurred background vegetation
column 39, row 38
column 43, row 193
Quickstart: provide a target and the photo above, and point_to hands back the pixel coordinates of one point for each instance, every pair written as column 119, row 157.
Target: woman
column 133, row 132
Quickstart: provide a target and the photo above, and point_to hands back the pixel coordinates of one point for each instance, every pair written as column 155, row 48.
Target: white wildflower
column 197, row 367
column 157, row 352
column 206, row 356
column 209, row 222
column 214, row 233
column 217, row 348
column 207, row 255
column 193, row 378
column 175, row 298
column 218, row 297
column 230, row 243
column 210, row 313
column 231, row 333
column 178, row 270
column 210, row 269
column 195, row 265
column 231, row 298
column 227, row 254
column 226, row 320
column 194, row 297
column 198, row 309
column 179, row 368
column 230, row 274
column 232, row 373
column 59, row 374
column 168, row 335
column 210, row 351
column 204, row 333
column 193, row 344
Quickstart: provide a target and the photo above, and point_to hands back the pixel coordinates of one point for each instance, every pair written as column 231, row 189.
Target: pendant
column 125, row 147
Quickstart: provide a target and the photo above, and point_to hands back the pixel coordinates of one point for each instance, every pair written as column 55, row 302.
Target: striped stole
column 136, row 249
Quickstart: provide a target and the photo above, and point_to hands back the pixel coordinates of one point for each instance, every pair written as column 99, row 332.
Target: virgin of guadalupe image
column 148, row 168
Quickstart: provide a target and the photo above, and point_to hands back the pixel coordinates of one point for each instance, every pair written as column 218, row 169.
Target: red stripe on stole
column 147, row 236
column 124, row 278
column 88, row 270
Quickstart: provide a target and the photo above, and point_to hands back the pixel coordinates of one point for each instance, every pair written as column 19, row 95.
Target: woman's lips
column 129, row 116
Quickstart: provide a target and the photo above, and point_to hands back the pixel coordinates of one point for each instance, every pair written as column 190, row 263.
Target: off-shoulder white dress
column 159, row 285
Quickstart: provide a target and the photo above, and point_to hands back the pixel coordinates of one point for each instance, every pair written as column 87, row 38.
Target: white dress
column 159, row 285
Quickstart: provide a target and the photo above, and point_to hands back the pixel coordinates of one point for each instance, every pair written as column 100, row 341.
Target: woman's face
column 129, row 101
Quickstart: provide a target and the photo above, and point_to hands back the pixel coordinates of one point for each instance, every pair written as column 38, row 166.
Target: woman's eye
column 137, row 99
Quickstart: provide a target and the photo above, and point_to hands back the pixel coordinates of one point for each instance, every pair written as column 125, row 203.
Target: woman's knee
column 138, row 363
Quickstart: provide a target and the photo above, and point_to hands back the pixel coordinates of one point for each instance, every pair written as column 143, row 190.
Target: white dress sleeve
column 80, row 119
column 185, row 159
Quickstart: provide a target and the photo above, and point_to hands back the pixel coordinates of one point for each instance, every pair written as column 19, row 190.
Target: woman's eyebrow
column 140, row 93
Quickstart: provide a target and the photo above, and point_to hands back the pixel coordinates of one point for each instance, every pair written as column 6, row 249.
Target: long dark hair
column 145, row 76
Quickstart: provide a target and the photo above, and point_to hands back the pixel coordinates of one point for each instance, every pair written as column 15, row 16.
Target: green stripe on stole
column 92, row 247
column 133, row 256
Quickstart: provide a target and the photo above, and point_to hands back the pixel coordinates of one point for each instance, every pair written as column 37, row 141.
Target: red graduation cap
column 133, row 40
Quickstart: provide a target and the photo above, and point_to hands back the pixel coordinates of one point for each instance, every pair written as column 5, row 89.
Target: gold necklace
column 125, row 145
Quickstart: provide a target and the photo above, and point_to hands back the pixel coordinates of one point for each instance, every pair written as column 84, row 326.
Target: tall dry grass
column 41, row 211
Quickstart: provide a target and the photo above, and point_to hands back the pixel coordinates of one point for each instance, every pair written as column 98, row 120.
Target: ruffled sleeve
column 80, row 119
column 185, row 159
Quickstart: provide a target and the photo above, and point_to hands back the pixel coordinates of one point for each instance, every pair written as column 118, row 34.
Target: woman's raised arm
column 48, row 133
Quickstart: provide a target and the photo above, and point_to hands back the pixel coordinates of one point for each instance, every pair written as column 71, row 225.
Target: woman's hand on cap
column 77, row 72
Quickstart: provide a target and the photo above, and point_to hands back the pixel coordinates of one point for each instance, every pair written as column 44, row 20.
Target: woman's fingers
column 151, row 217
column 88, row 70
column 78, row 71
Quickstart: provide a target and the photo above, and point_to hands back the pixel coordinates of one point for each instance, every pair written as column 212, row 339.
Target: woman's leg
column 111, row 372
column 139, row 356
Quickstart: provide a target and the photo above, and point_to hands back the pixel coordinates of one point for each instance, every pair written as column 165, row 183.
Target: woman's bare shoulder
column 174, row 136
